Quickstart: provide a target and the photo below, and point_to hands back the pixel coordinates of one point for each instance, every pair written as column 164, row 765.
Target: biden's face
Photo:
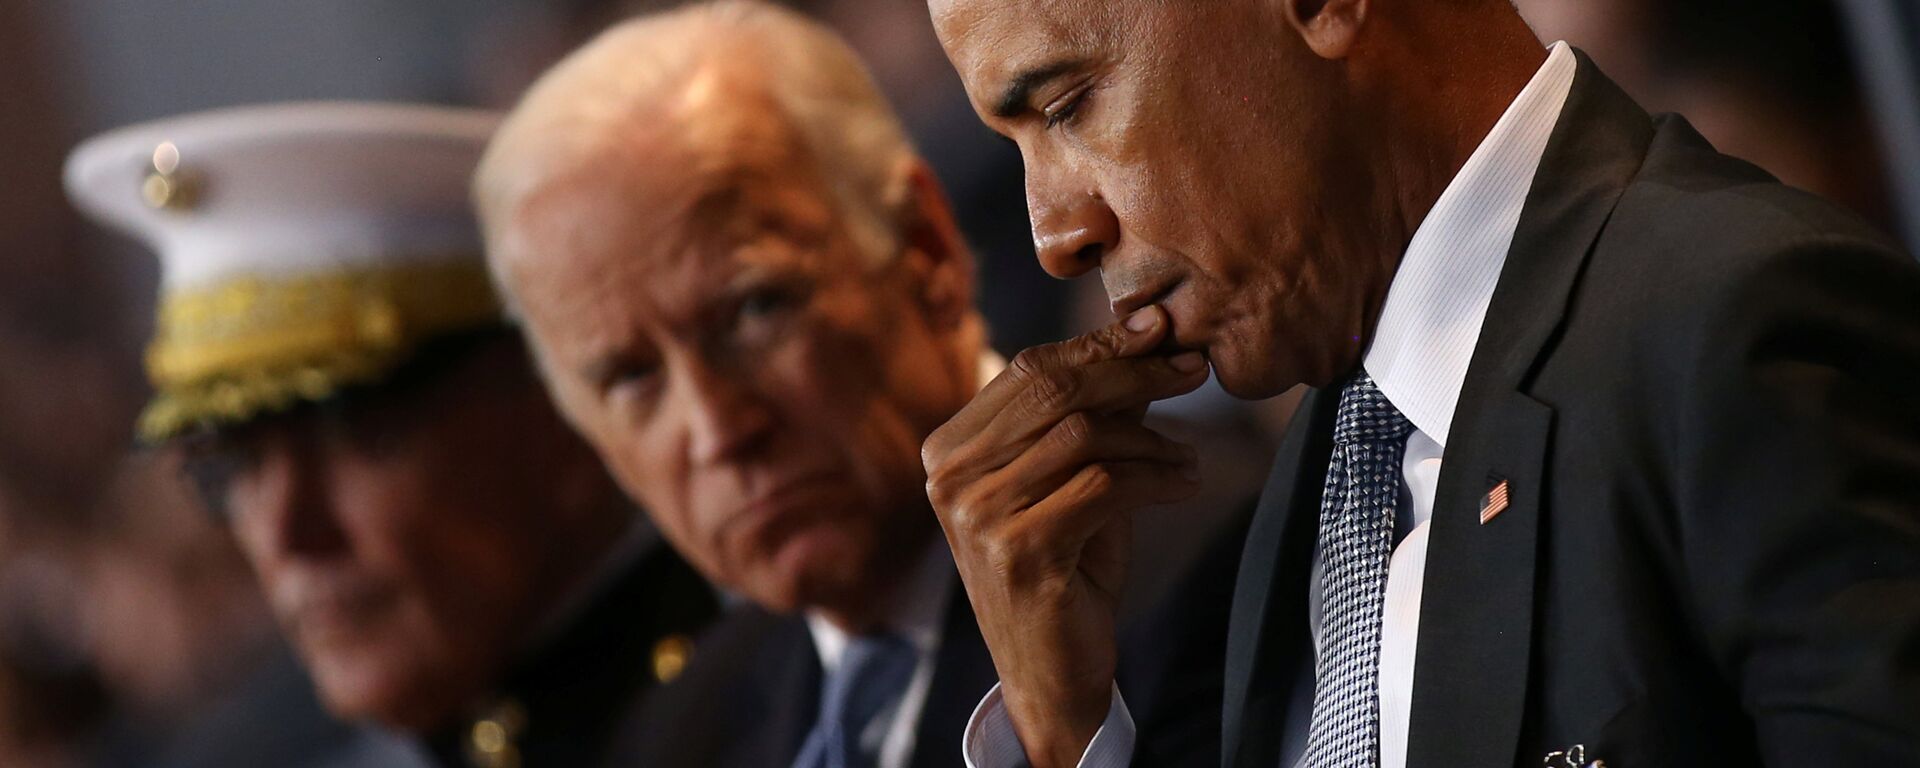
column 407, row 538
column 760, row 385
column 1194, row 155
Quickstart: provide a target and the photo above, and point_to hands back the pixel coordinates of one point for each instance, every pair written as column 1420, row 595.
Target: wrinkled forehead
column 695, row 170
column 671, row 219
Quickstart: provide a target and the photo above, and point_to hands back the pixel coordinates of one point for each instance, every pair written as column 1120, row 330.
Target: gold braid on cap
column 230, row 351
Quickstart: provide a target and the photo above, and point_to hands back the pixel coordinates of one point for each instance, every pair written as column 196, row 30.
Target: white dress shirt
column 1419, row 356
column 916, row 614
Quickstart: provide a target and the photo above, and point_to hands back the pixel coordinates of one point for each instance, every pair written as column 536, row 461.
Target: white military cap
column 303, row 247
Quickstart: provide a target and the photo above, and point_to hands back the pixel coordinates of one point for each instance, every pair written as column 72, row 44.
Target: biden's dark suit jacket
column 752, row 691
column 1703, row 389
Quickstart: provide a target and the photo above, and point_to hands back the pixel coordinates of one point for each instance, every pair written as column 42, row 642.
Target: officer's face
column 761, row 388
column 408, row 538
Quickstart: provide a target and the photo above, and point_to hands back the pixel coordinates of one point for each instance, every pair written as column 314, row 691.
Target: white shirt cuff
column 991, row 743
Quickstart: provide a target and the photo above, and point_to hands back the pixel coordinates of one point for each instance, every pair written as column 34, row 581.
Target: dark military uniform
column 563, row 704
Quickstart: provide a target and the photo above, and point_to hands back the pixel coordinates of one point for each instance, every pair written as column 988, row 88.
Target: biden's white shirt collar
column 1438, row 298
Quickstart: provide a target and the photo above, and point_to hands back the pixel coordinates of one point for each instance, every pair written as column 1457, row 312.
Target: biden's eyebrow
column 1014, row 99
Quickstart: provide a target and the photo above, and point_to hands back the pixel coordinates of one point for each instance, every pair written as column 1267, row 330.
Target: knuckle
column 1031, row 362
column 1019, row 559
column 1053, row 391
column 962, row 519
column 933, row 453
column 1097, row 480
column 942, row 485
column 1076, row 430
column 1104, row 343
column 1003, row 551
column 937, row 493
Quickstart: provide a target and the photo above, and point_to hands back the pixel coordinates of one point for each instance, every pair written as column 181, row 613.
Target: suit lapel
column 1476, row 617
column 963, row 673
column 1267, row 631
column 793, row 678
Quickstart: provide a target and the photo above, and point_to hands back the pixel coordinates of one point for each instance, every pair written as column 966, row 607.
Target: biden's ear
column 1329, row 27
column 933, row 252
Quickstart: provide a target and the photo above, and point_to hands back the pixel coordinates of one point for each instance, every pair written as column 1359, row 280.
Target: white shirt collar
column 1440, row 294
column 915, row 613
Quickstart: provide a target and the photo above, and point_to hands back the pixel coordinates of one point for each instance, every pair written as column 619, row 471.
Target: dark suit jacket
column 574, row 689
column 1704, row 391
column 752, row 692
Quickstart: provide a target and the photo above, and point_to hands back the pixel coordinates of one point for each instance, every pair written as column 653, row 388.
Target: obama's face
column 1199, row 158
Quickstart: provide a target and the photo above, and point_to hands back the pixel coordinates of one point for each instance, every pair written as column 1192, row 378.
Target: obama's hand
column 1035, row 483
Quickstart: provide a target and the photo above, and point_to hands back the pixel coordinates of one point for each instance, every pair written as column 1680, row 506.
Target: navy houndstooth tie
column 1356, row 539
column 873, row 673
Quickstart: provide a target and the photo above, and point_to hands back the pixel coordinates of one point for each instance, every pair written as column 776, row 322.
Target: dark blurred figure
column 1769, row 81
column 447, row 558
column 68, row 385
column 51, row 696
column 122, row 624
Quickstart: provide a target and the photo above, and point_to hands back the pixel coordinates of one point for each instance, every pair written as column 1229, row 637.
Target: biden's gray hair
column 581, row 111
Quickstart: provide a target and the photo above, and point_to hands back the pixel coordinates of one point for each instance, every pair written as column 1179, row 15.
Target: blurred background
column 125, row 614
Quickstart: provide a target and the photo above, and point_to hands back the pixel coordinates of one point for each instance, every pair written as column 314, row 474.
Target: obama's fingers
column 1097, row 493
column 1109, row 387
column 1116, row 389
column 1138, row 334
column 1076, row 441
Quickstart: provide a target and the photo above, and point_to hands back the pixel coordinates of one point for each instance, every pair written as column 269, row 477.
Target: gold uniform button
column 166, row 187
column 670, row 657
column 158, row 190
column 490, row 741
column 377, row 324
column 170, row 192
column 488, row 737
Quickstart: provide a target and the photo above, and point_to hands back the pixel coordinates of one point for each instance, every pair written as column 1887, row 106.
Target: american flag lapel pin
column 1571, row 757
column 1494, row 503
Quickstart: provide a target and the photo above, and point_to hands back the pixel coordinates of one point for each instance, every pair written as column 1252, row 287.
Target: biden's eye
column 624, row 375
column 633, row 373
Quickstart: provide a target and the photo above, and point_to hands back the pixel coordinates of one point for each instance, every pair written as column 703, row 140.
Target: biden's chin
column 380, row 690
column 814, row 569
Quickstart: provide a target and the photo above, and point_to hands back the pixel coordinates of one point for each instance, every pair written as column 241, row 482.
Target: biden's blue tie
column 873, row 674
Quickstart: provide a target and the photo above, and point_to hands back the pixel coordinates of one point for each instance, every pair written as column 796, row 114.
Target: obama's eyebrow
column 1013, row 100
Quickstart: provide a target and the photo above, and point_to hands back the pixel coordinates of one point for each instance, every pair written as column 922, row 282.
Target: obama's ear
column 933, row 249
column 1329, row 27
